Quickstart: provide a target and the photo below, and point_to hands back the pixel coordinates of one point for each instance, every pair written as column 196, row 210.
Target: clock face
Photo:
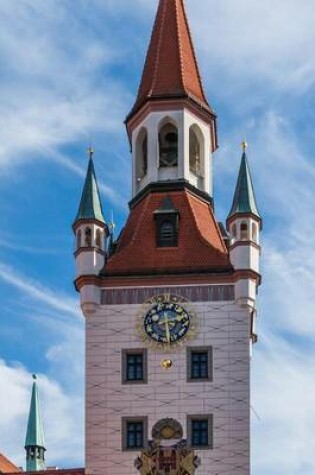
column 166, row 321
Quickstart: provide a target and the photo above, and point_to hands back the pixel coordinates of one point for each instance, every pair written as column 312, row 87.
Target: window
column 195, row 150
column 244, row 232
column 79, row 238
column 134, row 364
column 168, row 146
column 199, row 364
column 134, row 433
column 142, row 154
column 98, row 238
column 88, row 237
column 167, row 235
column 200, row 430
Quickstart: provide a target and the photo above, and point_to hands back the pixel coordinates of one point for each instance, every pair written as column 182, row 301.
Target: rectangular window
column 134, row 366
column 200, row 431
column 199, row 364
column 134, row 433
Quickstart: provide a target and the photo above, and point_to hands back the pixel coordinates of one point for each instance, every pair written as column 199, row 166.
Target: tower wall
column 222, row 325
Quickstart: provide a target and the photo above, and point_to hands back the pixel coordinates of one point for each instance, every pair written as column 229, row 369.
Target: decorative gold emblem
column 167, row 364
column 166, row 321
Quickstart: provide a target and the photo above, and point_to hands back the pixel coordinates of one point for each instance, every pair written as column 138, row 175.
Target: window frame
column 199, row 349
column 200, row 417
column 124, row 369
column 124, row 432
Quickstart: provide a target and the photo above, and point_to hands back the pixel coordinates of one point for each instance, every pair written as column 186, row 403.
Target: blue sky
column 69, row 74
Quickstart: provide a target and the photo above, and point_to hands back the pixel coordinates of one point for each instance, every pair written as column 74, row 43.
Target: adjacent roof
column 200, row 244
column 90, row 205
column 244, row 200
column 54, row 471
column 35, row 431
column 6, row 466
column 171, row 68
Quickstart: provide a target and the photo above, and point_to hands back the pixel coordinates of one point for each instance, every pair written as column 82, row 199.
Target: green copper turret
column 244, row 200
column 35, row 442
column 90, row 204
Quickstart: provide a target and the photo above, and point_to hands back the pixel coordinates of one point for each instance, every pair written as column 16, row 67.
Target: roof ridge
column 193, row 52
column 158, row 51
column 180, row 46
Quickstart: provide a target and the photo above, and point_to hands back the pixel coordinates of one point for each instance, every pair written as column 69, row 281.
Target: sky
column 69, row 72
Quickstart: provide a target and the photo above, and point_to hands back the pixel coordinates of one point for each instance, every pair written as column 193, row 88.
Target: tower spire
column 244, row 200
column 171, row 69
column 34, row 441
column 90, row 204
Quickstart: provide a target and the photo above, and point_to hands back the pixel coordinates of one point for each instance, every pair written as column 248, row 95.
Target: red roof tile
column 200, row 244
column 6, row 466
column 54, row 471
column 171, row 67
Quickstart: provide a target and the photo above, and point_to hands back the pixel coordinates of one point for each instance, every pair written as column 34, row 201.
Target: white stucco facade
column 110, row 329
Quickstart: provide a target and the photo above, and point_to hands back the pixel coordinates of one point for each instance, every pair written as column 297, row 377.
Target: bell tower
column 171, row 127
column 170, row 304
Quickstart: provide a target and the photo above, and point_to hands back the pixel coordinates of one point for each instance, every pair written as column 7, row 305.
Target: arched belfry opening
column 196, row 147
column 168, row 145
column 142, row 154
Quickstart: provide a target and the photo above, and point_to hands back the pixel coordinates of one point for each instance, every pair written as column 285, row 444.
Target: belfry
column 170, row 305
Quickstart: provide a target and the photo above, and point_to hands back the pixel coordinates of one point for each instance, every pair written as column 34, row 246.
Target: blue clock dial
column 166, row 322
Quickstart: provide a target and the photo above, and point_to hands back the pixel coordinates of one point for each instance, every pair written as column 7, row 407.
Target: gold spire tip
column 244, row 145
column 91, row 152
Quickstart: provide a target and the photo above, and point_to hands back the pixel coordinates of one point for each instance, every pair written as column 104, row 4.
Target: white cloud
column 269, row 43
column 284, row 392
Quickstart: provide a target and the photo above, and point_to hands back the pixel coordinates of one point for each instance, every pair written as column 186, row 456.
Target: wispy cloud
column 37, row 292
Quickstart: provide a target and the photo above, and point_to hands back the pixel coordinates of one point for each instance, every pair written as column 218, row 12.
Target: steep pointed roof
column 35, row 431
column 171, row 68
column 244, row 200
column 90, row 204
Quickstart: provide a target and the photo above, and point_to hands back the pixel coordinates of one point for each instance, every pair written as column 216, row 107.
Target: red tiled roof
column 170, row 67
column 54, row 471
column 6, row 466
column 200, row 244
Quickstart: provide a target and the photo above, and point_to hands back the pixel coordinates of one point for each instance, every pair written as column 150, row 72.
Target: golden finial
column 91, row 152
column 244, row 145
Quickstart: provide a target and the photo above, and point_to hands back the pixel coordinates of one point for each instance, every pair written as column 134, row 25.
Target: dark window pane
column 134, row 367
column 200, row 432
column 199, row 365
column 134, row 435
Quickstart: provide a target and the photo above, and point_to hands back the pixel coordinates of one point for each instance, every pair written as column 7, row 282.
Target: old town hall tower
column 170, row 304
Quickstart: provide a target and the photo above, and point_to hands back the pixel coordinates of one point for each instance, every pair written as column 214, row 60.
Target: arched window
column 98, row 238
column 79, row 239
column 254, row 232
column 244, row 232
column 88, row 237
column 195, row 150
column 142, row 154
column 168, row 146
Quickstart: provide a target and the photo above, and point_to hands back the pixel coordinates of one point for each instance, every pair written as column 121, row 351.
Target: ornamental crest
column 177, row 459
